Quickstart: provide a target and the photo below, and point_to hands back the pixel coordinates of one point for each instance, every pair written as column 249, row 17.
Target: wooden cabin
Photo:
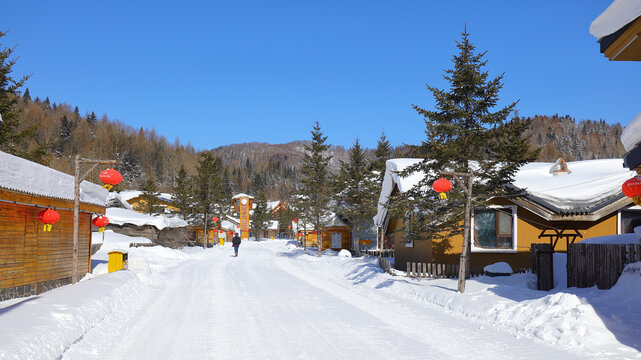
column 137, row 202
column 336, row 233
column 33, row 260
column 506, row 228
column 617, row 31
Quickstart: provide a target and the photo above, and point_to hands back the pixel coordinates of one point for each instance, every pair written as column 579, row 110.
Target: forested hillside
column 61, row 131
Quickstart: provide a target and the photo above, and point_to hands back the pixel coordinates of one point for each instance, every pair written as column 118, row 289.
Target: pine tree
column 260, row 217
column 26, row 96
column 150, row 197
column 382, row 153
column 92, row 118
column 355, row 188
column 463, row 134
column 13, row 139
column 315, row 181
column 209, row 196
column 182, row 194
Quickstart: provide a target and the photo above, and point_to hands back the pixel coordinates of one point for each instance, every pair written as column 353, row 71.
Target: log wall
column 32, row 260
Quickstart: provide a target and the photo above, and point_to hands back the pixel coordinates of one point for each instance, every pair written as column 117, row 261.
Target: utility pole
column 464, row 264
column 76, row 205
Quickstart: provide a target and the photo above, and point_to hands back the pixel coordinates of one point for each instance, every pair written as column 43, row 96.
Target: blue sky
column 213, row 73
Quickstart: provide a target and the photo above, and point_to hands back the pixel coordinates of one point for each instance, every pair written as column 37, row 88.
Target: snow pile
column 115, row 241
column 31, row 178
column 617, row 15
column 344, row 254
column 499, row 268
column 44, row 326
column 119, row 216
column 621, row 239
column 631, row 135
column 583, row 321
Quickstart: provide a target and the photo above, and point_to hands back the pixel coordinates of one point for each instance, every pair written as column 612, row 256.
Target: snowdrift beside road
column 590, row 322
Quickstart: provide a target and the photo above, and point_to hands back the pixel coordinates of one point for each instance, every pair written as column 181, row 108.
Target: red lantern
column 289, row 226
column 442, row 186
column 110, row 177
column 295, row 220
column 48, row 217
column 632, row 188
column 214, row 219
column 100, row 222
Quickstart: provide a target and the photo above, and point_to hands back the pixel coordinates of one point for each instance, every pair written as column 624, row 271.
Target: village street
column 262, row 306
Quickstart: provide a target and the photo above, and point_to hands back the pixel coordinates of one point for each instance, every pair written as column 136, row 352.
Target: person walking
column 235, row 242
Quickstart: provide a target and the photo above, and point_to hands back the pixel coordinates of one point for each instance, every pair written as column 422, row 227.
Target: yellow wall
column 529, row 226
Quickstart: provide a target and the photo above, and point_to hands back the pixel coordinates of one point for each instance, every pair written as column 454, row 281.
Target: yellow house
column 617, row 30
column 581, row 202
column 136, row 200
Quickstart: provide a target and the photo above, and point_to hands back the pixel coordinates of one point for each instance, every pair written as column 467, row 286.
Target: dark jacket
column 235, row 240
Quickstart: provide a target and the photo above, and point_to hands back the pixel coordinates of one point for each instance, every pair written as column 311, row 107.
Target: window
column 336, row 240
column 629, row 219
column 494, row 229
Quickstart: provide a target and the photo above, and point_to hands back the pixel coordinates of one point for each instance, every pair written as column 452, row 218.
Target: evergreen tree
column 315, row 181
column 463, row 134
column 150, row 197
column 261, row 216
column 382, row 153
column 26, row 96
column 182, row 194
column 209, row 196
column 13, row 138
column 92, row 118
column 355, row 188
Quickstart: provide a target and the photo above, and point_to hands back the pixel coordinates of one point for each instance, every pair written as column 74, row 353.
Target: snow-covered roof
column 589, row 185
column 28, row 177
column 273, row 225
column 392, row 178
column 617, row 15
column 115, row 200
column 237, row 196
column 119, row 216
column 631, row 135
column 132, row 194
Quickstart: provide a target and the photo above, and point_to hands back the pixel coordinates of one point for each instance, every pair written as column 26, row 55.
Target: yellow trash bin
column 118, row 260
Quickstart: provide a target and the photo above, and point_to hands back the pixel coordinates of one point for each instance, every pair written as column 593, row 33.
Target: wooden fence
column 432, row 270
column 386, row 252
column 542, row 265
column 599, row 264
column 386, row 265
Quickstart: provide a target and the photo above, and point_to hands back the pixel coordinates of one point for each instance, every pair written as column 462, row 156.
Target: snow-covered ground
column 276, row 301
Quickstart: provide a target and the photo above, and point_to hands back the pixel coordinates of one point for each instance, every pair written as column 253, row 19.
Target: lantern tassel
column 442, row 196
column 107, row 186
column 637, row 200
column 101, row 229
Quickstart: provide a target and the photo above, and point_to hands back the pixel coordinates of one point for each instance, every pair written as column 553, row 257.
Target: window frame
column 512, row 250
column 619, row 220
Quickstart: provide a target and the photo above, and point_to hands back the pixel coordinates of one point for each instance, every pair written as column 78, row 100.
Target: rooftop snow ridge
column 28, row 177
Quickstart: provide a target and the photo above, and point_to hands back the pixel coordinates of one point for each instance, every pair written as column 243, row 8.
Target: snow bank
column 612, row 239
column 345, row 253
column 45, row 325
column 590, row 323
column 31, row 178
column 115, row 241
column 616, row 16
column 119, row 216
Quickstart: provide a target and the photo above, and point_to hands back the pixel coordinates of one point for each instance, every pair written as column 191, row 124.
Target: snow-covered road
column 264, row 305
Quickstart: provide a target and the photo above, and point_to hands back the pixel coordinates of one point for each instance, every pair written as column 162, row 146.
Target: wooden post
column 78, row 178
column 76, row 218
column 464, row 270
column 205, row 237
